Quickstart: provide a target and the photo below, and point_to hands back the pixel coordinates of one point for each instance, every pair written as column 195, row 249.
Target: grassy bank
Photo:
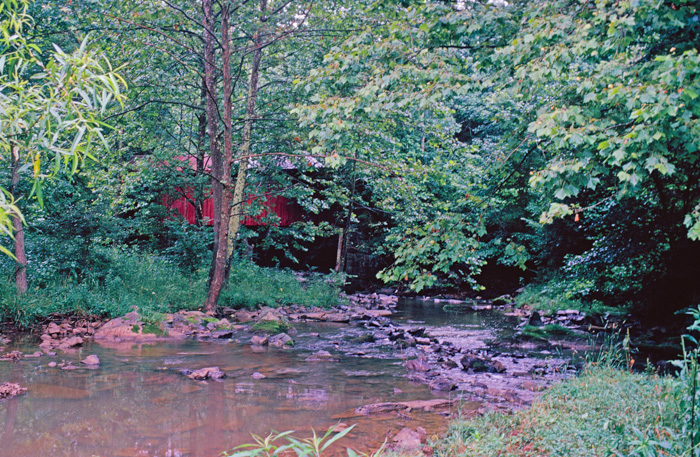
column 156, row 285
column 605, row 411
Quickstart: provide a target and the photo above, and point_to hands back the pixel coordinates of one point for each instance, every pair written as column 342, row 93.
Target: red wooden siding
column 288, row 211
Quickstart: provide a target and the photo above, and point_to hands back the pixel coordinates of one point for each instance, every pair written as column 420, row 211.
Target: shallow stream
column 136, row 403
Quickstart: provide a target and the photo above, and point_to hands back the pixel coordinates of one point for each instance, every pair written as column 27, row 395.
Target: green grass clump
column 153, row 329
column 604, row 412
column 251, row 286
column 550, row 331
column 149, row 283
column 558, row 294
column 271, row 327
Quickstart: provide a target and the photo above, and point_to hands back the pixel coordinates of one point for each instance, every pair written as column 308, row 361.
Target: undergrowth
column 554, row 295
column 606, row 411
column 251, row 286
column 155, row 286
column 151, row 284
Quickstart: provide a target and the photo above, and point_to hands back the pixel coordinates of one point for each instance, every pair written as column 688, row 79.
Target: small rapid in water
column 137, row 403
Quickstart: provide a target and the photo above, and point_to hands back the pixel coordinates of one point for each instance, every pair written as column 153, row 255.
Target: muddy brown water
column 136, row 403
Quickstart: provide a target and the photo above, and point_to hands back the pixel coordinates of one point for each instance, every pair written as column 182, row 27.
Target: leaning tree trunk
column 18, row 227
column 239, row 191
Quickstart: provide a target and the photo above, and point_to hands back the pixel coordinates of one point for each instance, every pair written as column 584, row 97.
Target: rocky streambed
column 401, row 366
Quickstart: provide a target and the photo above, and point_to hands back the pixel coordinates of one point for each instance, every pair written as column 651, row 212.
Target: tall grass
column 147, row 282
column 156, row 285
column 596, row 414
column 251, row 286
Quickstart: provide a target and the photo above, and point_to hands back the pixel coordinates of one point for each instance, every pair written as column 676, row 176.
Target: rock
column 420, row 364
column 418, row 331
column 71, row 342
column 48, row 344
column 259, row 340
column 449, row 364
column 535, row 320
column 498, row 367
column 91, row 360
column 10, row 389
column 79, row 330
column 244, row 315
column 52, row 364
column 207, row 373
column 442, row 385
column 222, row 334
column 397, row 391
column 223, row 324
column 34, row 355
column 321, row 356
column 53, row 329
column 502, row 300
column 258, row 375
column 270, row 315
column 476, row 364
column 407, row 439
column 281, row 340
column 46, row 337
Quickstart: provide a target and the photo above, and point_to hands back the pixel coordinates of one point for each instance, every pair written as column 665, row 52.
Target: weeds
column 276, row 444
column 156, row 286
column 593, row 414
column 251, row 286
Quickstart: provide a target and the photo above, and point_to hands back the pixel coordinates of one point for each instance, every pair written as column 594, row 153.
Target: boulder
column 91, row 360
column 71, row 342
column 53, row 329
column 442, row 385
column 258, row 375
column 281, row 340
column 10, row 389
column 222, row 334
column 259, row 340
column 535, row 320
column 476, row 364
column 407, row 439
column 321, row 356
column 207, row 373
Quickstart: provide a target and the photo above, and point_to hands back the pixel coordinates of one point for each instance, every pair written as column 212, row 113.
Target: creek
column 137, row 403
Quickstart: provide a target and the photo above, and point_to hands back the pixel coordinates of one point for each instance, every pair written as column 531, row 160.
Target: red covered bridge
column 287, row 211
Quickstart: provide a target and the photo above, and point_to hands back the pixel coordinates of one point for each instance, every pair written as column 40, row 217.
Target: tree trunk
column 239, row 191
column 20, row 254
column 217, row 172
column 201, row 138
column 342, row 263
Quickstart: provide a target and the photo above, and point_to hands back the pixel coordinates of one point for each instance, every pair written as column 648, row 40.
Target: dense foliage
column 451, row 146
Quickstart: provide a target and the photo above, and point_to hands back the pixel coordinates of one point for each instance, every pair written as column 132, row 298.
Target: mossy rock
column 365, row 338
column 154, row 329
column 271, row 327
